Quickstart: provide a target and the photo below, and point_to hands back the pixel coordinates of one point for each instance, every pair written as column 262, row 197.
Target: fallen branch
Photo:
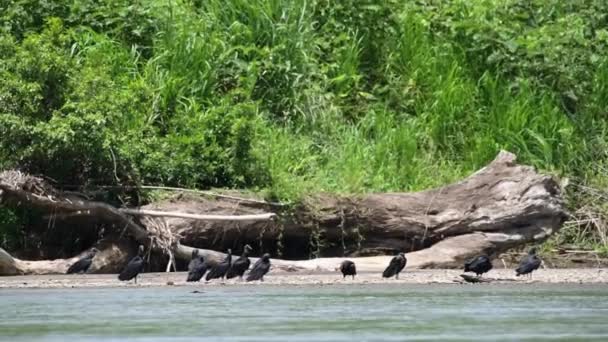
column 573, row 251
column 156, row 213
column 194, row 191
column 214, row 194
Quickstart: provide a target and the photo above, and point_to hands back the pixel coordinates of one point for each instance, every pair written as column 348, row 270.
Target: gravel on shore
column 416, row 276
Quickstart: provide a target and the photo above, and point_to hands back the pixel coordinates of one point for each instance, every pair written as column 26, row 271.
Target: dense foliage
column 298, row 96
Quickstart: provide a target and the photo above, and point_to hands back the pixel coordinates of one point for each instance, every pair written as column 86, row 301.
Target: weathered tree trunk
column 501, row 206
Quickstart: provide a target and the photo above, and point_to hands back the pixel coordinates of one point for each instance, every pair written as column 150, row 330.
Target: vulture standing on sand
column 83, row 264
column 396, row 265
column 528, row 264
column 260, row 268
column 348, row 268
column 479, row 265
column 219, row 270
column 241, row 264
column 196, row 267
column 134, row 267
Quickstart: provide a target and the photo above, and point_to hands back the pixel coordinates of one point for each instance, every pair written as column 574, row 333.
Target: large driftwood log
column 501, row 206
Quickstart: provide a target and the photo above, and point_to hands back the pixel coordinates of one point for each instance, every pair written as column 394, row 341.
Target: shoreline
column 281, row 278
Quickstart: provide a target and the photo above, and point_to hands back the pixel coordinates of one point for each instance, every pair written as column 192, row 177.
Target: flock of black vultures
column 196, row 269
column 478, row 265
column 229, row 269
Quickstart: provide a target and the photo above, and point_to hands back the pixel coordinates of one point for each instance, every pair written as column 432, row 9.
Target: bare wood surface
column 156, row 213
column 111, row 258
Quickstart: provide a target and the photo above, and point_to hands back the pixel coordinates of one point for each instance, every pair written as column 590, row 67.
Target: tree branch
column 143, row 212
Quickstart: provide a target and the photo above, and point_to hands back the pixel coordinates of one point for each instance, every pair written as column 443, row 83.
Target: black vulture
column 134, row 267
column 83, row 264
column 396, row 265
column 219, row 270
column 479, row 265
column 348, row 269
column 260, row 268
column 197, row 267
column 528, row 264
column 241, row 264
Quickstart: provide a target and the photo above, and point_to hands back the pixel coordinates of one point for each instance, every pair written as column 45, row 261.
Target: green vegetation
column 291, row 97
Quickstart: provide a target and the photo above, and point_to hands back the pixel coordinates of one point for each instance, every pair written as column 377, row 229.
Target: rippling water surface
column 308, row 313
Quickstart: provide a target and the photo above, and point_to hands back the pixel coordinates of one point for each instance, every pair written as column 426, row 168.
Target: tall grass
column 447, row 123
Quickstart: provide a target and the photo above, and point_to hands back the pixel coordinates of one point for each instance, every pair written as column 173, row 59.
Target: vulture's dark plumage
column 395, row 266
column 197, row 267
column 219, row 270
column 479, row 265
column 240, row 265
column 348, row 268
column 83, row 264
column 528, row 264
column 134, row 267
column 260, row 268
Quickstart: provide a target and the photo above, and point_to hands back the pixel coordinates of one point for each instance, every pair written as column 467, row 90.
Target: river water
column 529, row 312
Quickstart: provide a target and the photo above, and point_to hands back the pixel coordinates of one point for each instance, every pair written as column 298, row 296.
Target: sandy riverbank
column 587, row 275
